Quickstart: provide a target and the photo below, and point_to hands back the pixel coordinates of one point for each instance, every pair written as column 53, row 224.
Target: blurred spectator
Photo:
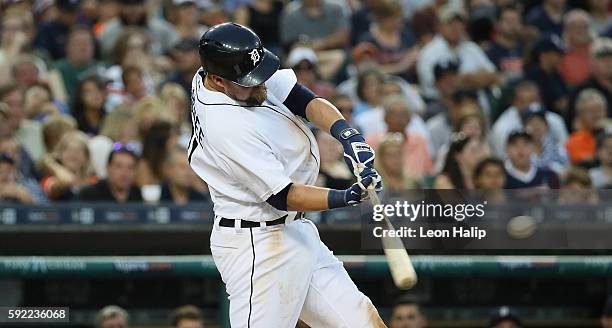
column 320, row 23
column 112, row 316
column 543, row 69
column 601, row 19
column 149, row 110
column 391, row 154
column 424, row 24
column 186, row 19
column 39, row 104
column 521, row 172
column 133, row 13
column 504, row 317
column 490, row 178
column 417, row 159
column 79, row 59
column 602, row 175
column 526, row 95
column 446, row 83
column 591, row 119
column 14, row 187
column 263, row 17
column 159, row 139
column 407, row 314
column 120, row 126
column 344, row 104
column 187, row 316
column 547, row 151
column 187, row 62
column 15, row 43
column 67, row 168
column 547, row 17
column 133, row 81
column 481, row 20
column 106, row 11
column 55, row 127
column 121, row 176
column 23, row 161
column 52, row 36
column 27, row 132
column 475, row 69
column 88, row 104
column 177, row 102
column 506, row 50
column 304, row 63
column 391, row 38
column 606, row 316
column 44, row 11
column 333, row 172
column 463, row 155
column 575, row 67
column 577, row 188
column 178, row 186
column 600, row 79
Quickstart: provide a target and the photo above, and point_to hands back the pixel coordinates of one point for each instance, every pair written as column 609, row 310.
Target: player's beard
column 258, row 95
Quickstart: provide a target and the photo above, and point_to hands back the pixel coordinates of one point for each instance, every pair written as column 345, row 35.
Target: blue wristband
column 335, row 198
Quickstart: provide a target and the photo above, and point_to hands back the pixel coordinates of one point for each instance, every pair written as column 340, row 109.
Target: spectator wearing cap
column 600, row 79
column 417, row 158
column 52, row 36
column 303, row 61
column 112, row 316
column 475, row 68
column 187, row 19
column 521, row 171
column 187, row 62
column 67, row 168
column 602, row 174
column 506, row 49
column 464, row 153
column 263, row 17
column 547, row 17
column 133, row 13
column 406, row 313
column 392, row 40
column 591, row 110
column 121, row 175
column 547, row 151
column 504, row 317
column 14, row 187
column 575, row 67
column 543, row 69
column 601, row 19
column 80, row 51
column 526, row 94
column 606, row 316
column 187, row 316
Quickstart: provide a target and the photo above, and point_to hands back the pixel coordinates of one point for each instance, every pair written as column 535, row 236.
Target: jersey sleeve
column 250, row 160
column 281, row 83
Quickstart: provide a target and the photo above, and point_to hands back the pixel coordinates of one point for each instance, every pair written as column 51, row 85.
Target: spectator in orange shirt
column 575, row 66
column 417, row 160
column 591, row 108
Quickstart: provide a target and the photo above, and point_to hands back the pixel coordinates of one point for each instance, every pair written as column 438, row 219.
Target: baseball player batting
column 260, row 161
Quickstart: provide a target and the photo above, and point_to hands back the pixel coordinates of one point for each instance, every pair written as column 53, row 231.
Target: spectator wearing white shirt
column 475, row 69
column 526, row 94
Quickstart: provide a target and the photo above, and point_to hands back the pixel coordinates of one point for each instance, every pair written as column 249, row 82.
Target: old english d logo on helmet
column 236, row 53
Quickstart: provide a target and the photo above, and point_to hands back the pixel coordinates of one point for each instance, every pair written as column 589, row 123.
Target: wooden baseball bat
column 402, row 271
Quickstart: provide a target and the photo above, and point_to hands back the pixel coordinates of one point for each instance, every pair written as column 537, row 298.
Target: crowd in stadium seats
column 112, row 316
column 95, row 94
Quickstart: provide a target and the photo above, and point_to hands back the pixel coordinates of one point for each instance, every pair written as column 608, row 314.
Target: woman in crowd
column 177, row 102
column 463, row 155
column 159, row 139
column 490, row 178
column 88, row 105
column 67, row 168
column 390, row 165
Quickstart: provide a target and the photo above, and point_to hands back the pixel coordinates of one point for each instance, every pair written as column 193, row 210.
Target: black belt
column 250, row 224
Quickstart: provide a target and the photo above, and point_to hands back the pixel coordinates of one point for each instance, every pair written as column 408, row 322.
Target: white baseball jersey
column 246, row 153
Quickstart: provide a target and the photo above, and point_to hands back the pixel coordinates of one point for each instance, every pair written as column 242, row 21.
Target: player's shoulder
column 281, row 83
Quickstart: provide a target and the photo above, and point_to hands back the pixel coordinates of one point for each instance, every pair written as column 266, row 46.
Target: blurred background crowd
column 466, row 94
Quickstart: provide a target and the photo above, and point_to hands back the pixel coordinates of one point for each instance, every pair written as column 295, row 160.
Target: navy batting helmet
column 235, row 53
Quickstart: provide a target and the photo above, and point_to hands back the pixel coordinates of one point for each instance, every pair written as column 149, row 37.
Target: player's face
column 407, row 316
column 251, row 96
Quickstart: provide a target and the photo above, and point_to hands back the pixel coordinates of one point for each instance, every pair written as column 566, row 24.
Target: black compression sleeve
column 279, row 200
column 298, row 99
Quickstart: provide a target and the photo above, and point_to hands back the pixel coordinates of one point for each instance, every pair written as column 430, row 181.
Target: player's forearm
column 322, row 113
column 305, row 198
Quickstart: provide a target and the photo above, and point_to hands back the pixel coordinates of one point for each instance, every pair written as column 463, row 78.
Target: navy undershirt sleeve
column 298, row 99
column 279, row 200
